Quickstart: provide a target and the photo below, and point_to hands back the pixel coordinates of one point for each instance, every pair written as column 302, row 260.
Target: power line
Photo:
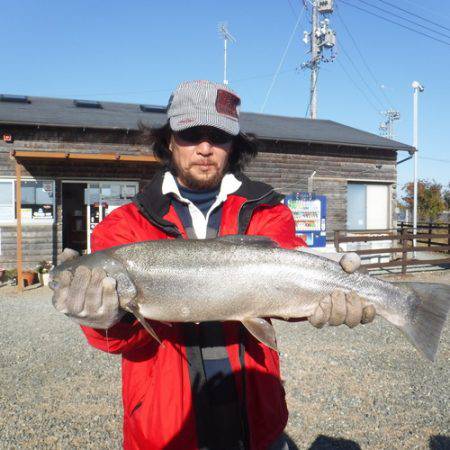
column 363, row 59
column 405, row 19
column 362, row 77
column 435, row 159
column 415, row 15
column 282, row 59
column 357, row 86
column 428, row 9
column 395, row 23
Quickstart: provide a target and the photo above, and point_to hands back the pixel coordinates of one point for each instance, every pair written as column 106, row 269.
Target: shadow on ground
column 439, row 442
column 330, row 443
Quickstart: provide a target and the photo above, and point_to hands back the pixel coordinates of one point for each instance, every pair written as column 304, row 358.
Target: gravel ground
column 348, row 389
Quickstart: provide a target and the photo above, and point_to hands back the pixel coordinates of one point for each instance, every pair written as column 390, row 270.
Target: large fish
column 247, row 278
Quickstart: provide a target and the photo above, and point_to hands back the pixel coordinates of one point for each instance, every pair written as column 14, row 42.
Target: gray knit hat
column 204, row 103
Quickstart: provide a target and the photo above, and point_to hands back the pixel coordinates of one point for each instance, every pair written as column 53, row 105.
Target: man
column 210, row 385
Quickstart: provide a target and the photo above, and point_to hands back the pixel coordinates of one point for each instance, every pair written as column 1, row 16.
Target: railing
column 402, row 243
column 429, row 227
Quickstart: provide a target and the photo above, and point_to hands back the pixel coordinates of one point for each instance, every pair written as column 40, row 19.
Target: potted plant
column 29, row 277
column 43, row 269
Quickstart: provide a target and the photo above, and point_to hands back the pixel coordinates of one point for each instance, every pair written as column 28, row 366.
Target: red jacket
column 156, row 390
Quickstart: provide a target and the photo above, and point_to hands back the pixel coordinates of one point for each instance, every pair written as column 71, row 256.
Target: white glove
column 343, row 307
column 88, row 297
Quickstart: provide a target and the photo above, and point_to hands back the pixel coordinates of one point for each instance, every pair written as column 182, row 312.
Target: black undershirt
column 224, row 428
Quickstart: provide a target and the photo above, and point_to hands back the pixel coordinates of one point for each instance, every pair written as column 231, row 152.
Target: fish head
column 110, row 265
column 114, row 268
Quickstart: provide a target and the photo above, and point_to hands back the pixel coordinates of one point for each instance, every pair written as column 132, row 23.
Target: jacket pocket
column 135, row 408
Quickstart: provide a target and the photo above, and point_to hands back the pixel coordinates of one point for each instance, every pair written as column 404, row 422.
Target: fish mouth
column 52, row 280
column 53, row 285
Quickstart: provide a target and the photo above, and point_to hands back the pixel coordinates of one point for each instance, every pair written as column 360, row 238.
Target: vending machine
column 310, row 214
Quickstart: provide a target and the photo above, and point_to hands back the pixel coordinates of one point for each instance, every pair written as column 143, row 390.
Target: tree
column 447, row 197
column 430, row 199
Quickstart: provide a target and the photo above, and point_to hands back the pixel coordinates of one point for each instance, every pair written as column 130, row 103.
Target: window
column 87, row 104
column 14, row 98
column 38, row 202
column 152, row 108
column 356, row 206
column 367, row 206
column 6, row 200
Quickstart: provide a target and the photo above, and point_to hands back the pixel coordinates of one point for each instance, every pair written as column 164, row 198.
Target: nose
column 204, row 148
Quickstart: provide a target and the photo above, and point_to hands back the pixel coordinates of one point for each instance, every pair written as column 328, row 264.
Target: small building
column 78, row 160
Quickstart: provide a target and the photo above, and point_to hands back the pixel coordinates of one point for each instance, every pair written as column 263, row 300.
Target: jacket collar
column 155, row 205
column 228, row 185
column 257, row 190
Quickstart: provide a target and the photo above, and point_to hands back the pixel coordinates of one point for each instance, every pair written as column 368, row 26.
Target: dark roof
column 59, row 112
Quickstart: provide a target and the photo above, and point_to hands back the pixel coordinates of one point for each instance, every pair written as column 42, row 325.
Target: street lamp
column 417, row 88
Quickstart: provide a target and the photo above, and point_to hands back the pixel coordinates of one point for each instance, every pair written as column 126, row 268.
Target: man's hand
column 88, row 297
column 341, row 307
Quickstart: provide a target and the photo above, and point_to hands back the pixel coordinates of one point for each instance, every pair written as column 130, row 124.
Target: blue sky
column 138, row 51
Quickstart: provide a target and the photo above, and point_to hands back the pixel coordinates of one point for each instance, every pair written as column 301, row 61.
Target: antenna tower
column 226, row 36
column 387, row 127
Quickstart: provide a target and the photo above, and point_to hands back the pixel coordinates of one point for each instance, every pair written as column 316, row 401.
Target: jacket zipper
column 251, row 201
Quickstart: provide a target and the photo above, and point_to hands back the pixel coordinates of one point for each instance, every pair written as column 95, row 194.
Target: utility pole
column 226, row 35
column 321, row 38
column 417, row 88
column 314, row 64
column 387, row 127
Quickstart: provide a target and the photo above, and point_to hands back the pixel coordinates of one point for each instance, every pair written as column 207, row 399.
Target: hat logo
column 226, row 103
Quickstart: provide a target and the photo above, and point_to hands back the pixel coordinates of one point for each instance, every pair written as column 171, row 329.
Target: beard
column 197, row 183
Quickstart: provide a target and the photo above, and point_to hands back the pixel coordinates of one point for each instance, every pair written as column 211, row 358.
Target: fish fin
column 262, row 330
column 425, row 328
column 134, row 310
column 241, row 239
column 125, row 287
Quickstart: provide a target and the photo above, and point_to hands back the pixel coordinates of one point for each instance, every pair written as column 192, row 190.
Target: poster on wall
column 310, row 214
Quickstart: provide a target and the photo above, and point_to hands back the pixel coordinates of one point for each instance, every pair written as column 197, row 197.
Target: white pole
column 225, row 81
column 417, row 88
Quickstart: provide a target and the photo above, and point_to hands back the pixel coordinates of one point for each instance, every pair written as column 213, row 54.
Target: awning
column 83, row 156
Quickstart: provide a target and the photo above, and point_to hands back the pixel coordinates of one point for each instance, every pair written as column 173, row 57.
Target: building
column 78, row 160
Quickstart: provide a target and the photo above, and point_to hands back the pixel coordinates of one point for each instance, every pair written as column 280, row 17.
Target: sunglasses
column 212, row 135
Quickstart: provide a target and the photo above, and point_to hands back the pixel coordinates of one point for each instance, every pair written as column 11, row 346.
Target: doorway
column 74, row 232
column 85, row 204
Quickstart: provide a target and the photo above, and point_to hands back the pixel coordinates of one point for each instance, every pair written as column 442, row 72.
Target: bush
column 10, row 274
column 44, row 266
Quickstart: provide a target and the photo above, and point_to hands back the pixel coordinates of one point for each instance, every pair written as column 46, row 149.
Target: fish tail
column 428, row 320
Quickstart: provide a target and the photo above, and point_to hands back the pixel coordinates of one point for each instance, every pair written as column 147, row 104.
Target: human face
column 200, row 156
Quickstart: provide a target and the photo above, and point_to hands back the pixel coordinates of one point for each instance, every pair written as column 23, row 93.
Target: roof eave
column 58, row 125
column 337, row 143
